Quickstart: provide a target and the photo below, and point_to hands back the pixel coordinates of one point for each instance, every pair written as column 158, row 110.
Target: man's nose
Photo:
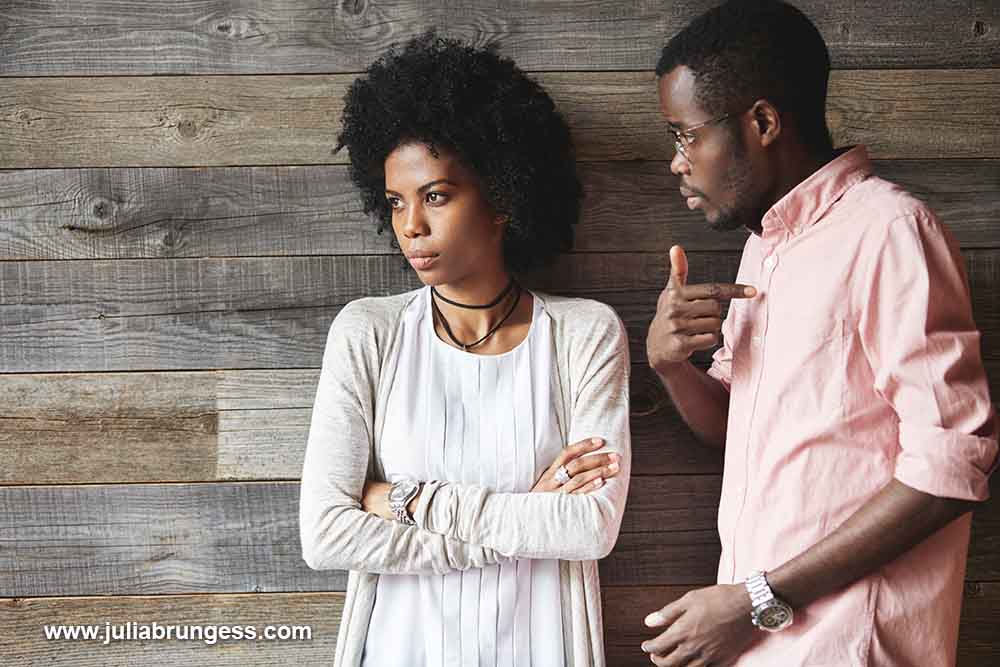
column 679, row 165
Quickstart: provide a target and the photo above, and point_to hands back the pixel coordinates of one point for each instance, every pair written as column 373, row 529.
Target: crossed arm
column 459, row 527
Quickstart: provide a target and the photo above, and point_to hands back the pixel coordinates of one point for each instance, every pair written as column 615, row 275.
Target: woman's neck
column 470, row 324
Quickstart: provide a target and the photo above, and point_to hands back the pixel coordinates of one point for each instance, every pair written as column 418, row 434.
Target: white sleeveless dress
column 479, row 420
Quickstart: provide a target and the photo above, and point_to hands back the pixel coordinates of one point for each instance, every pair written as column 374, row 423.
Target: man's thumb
column 678, row 267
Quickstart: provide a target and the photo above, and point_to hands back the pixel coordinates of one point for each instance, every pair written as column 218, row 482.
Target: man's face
column 716, row 174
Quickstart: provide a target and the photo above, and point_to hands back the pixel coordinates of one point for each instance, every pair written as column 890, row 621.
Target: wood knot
column 973, row 589
column 979, row 29
column 187, row 128
column 224, row 27
column 845, row 30
column 354, row 7
column 101, row 209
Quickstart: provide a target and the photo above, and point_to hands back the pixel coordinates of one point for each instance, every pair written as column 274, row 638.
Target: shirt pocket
column 813, row 363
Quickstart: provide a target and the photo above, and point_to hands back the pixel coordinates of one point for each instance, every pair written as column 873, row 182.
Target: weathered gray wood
column 250, row 36
column 243, row 537
column 285, row 120
column 625, row 607
column 23, row 642
column 233, row 313
column 143, row 539
column 977, row 636
column 275, row 312
column 69, row 428
column 314, row 210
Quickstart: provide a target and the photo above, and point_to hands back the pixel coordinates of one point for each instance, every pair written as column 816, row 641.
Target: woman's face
column 442, row 222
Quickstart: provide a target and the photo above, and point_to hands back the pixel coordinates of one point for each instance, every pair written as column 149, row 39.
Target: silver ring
column 562, row 475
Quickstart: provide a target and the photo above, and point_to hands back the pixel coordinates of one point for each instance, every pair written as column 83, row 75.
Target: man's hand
column 688, row 317
column 708, row 627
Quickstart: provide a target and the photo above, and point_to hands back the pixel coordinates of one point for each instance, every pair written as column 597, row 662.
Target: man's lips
column 693, row 198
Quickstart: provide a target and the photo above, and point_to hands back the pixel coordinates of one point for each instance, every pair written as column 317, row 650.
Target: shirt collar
column 806, row 203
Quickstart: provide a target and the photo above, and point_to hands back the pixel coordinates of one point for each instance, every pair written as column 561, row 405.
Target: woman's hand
column 375, row 499
column 587, row 472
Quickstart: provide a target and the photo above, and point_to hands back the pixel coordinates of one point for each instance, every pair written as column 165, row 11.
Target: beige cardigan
column 460, row 527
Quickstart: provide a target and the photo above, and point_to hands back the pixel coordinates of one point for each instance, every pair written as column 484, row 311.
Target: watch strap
column 399, row 509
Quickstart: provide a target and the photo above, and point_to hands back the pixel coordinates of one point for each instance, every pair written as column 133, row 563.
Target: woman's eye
column 436, row 198
column 394, row 202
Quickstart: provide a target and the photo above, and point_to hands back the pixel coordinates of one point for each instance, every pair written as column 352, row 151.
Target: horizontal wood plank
column 289, row 120
column 247, row 425
column 243, row 537
column 249, row 36
column 237, row 312
column 315, row 210
column 24, row 619
column 625, row 607
column 174, row 314
column 23, row 642
column 144, row 539
column 68, row 428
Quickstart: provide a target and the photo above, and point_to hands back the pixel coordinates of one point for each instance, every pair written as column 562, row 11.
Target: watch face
column 399, row 492
column 775, row 617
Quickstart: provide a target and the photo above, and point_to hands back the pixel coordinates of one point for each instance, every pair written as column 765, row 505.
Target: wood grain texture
column 625, row 607
column 291, row 120
column 23, row 642
column 67, row 428
column 243, row 537
column 315, row 210
column 145, row 539
column 187, row 314
column 251, row 36
column 237, row 312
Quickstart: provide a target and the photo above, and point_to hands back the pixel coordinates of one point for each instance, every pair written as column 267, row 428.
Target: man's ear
column 766, row 122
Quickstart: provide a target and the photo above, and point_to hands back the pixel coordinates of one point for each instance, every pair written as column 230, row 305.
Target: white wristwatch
column 769, row 613
column 400, row 495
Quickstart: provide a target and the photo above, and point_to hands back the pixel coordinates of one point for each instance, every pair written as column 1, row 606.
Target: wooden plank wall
column 176, row 235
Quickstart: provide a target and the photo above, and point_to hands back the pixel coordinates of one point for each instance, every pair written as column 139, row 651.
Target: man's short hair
column 745, row 50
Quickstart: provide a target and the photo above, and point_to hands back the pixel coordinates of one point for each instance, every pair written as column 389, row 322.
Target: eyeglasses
column 683, row 139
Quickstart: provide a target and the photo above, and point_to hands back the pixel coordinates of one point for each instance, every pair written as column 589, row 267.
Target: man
column 849, row 392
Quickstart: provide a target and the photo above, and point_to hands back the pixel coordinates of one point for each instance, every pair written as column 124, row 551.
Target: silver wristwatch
column 769, row 613
column 400, row 495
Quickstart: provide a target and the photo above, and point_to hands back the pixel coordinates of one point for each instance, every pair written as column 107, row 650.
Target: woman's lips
column 422, row 263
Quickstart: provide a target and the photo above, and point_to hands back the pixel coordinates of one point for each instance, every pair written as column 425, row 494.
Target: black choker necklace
column 447, row 328
column 500, row 297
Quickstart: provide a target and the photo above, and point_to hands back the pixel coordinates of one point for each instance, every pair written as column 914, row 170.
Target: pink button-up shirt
column 858, row 362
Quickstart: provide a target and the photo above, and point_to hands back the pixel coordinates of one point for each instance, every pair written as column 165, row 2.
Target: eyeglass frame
column 686, row 132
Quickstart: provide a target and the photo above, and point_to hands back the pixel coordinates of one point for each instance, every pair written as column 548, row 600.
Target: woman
column 438, row 469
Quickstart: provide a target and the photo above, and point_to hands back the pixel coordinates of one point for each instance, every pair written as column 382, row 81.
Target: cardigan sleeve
column 554, row 525
column 335, row 531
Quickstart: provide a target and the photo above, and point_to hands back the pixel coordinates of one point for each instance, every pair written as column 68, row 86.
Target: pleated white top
column 469, row 419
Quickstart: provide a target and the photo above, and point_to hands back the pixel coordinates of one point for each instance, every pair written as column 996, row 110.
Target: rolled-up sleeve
column 924, row 349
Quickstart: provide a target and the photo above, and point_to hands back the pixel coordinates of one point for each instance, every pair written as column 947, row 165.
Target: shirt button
column 770, row 262
column 756, row 340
